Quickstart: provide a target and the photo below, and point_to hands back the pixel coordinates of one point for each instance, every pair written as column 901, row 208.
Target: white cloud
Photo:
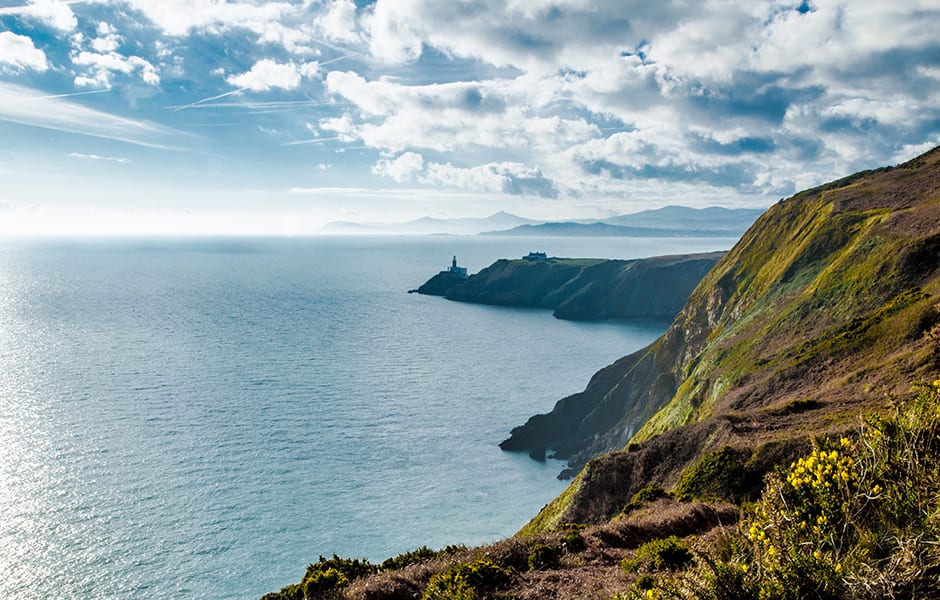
column 99, row 79
column 309, row 70
column 266, row 74
column 613, row 92
column 495, row 177
column 453, row 116
column 392, row 37
column 570, row 97
column 19, row 52
column 339, row 21
column 343, row 126
column 286, row 24
column 492, row 177
column 117, row 159
column 108, row 40
column 53, row 13
column 402, row 168
column 31, row 107
column 102, row 67
column 180, row 17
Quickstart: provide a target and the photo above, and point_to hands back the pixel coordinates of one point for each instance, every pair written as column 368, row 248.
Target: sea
column 203, row 417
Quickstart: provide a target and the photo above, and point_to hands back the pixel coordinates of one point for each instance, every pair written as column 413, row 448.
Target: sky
column 241, row 116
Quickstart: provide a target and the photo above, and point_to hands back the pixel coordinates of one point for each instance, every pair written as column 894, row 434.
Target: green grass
column 857, row 517
column 550, row 517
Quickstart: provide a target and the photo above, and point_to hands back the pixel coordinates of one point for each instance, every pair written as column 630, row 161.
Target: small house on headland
column 536, row 256
column 455, row 270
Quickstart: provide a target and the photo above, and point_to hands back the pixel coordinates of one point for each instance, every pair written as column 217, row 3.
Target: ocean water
column 201, row 418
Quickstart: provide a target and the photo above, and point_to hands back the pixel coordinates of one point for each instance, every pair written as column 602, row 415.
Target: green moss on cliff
column 829, row 300
column 550, row 517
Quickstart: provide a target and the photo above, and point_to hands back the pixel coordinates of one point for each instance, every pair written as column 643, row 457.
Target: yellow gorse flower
column 822, row 469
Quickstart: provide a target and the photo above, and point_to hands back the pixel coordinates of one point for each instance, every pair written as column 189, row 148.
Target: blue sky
column 204, row 116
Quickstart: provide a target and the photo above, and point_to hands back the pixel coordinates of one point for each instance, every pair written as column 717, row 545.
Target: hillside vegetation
column 854, row 517
column 780, row 441
column 826, row 304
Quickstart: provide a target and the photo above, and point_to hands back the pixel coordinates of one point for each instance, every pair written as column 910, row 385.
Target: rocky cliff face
column 825, row 306
column 440, row 284
column 584, row 289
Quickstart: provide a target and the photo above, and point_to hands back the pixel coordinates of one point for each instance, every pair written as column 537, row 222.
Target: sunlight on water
column 201, row 419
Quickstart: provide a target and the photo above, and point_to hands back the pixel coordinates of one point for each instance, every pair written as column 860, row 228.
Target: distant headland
column 580, row 288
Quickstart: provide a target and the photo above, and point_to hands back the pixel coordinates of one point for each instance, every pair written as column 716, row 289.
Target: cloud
column 559, row 99
column 266, row 74
column 53, row 13
column 402, row 168
column 287, row 24
column 19, row 52
column 718, row 94
column 457, row 116
column 339, row 22
column 28, row 106
column 504, row 177
column 103, row 66
column 180, row 17
column 117, row 159
column 507, row 177
column 108, row 40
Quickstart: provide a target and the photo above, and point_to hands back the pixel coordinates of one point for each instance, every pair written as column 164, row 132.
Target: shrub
column 397, row 563
column 657, row 555
column 644, row 582
column 293, row 591
column 573, row 542
column 648, row 494
column 467, row 581
column 544, row 557
column 851, row 519
column 719, row 474
column 325, row 583
column 326, row 577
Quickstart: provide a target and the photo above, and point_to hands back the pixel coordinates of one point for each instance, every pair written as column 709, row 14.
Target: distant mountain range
column 431, row 225
column 670, row 221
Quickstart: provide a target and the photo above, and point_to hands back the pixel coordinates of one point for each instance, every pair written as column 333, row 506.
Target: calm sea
column 202, row 418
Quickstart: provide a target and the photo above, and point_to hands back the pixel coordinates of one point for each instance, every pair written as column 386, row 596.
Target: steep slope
column 826, row 310
column 827, row 304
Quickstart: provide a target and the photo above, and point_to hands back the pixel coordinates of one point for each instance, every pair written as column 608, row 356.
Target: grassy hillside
column 819, row 310
column 790, row 445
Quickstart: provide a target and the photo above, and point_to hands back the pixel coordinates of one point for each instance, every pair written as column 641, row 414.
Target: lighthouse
column 455, row 270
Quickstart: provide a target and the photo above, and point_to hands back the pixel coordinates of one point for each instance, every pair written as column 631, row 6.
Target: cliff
column 440, row 284
column 826, row 310
column 825, row 307
column 582, row 289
